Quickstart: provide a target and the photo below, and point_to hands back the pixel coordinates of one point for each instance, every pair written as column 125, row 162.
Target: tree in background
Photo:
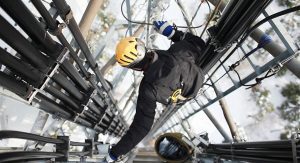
column 262, row 99
column 290, row 108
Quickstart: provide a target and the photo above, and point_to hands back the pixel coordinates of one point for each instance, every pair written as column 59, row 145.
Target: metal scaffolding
column 63, row 78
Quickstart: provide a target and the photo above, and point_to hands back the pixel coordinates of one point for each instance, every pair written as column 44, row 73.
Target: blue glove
column 164, row 28
column 110, row 158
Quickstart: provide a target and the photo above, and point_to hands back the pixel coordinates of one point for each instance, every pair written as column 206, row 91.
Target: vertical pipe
column 89, row 15
column 227, row 114
column 148, row 21
column 37, row 127
column 129, row 16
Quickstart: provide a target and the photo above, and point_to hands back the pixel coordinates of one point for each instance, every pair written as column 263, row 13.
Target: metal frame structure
column 43, row 72
column 44, row 64
column 204, row 102
column 62, row 148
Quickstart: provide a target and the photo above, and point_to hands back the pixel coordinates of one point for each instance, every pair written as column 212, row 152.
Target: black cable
column 287, row 11
column 144, row 23
column 293, row 9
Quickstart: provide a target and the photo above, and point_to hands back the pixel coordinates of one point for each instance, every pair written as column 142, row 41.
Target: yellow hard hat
column 129, row 51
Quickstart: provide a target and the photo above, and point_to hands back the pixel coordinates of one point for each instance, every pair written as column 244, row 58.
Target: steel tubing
column 95, row 109
column 79, row 154
column 64, row 10
column 5, row 134
column 83, row 122
column 262, row 144
column 26, row 20
column 28, row 155
column 71, row 72
column 245, row 21
column 13, row 38
column 99, row 101
column 255, row 159
column 63, row 97
column 28, row 73
column 68, row 86
column 255, row 152
column 53, row 28
column 16, row 86
column 79, row 144
column 90, row 116
column 50, row 106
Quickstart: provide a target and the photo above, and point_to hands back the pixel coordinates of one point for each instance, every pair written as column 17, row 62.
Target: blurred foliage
column 290, row 109
column 262, row 98
column 292, row 92
column 282, row 72
column 103, row 22
column 289, row 4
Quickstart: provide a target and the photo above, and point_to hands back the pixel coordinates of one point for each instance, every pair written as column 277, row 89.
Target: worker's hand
column 110, row 158
column 164, row 28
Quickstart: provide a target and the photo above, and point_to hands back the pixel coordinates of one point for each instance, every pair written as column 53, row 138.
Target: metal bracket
column 59, row 60
column 63, row 148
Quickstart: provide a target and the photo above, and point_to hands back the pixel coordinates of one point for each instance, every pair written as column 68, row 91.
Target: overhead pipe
column 83, row 122
column 13, row 38
column 98, row 101
column 71, row 72
column 26, row 20
column 95, row 109
column 88, row 117
column 26, row 72
column 28, row 155
column 72, row 103
column 91, row 115
column 67, row 85
column 45, row 103
column 16, row 86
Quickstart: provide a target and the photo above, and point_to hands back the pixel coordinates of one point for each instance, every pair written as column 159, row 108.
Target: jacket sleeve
column 142, row 122
column 179, row 36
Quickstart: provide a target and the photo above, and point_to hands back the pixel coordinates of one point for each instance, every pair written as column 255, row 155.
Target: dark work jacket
column 174, row 68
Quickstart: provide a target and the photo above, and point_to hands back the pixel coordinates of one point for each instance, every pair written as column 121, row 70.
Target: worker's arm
column 142, row 122
column 166, row 29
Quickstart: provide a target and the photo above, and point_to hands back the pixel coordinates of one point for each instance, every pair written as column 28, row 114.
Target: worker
column 170, row 76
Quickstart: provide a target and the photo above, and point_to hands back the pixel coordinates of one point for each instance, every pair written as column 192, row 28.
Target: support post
column 89, row 15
